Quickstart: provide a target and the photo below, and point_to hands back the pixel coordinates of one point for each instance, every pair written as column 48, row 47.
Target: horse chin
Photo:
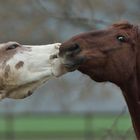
column 70, row 67
column 72, row 63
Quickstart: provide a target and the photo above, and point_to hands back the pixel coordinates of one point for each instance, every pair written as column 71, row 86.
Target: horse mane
column 123, row 25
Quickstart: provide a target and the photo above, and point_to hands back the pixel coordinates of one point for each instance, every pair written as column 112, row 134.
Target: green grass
column 68, row 125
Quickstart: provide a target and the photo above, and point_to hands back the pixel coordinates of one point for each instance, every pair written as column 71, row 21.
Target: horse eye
column 12, row 46
column 121, row 38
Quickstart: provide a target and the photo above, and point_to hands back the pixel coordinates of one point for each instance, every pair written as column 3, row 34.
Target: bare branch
column 66, row 16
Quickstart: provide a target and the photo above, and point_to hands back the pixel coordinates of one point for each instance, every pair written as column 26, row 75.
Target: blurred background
column 72, row 107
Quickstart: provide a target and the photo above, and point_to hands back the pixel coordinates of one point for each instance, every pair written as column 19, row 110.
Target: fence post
column 88, row 127
column 9, row 122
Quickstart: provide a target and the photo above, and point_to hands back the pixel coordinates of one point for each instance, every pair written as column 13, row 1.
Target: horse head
column 105, row 55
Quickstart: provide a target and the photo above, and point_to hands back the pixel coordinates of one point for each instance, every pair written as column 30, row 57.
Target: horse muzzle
column 70, row 56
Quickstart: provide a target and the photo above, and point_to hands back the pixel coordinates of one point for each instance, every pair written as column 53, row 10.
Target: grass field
column 67, row 127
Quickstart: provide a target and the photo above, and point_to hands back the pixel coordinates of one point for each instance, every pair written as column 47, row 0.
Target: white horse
column 23, row 68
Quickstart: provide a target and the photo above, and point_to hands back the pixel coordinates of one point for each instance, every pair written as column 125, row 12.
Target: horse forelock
column 123, row 25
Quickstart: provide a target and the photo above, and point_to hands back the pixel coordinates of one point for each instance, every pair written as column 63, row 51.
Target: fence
column 55, row 126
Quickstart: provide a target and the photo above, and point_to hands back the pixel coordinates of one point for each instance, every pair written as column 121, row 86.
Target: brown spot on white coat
column 19, row 65
column 7, row 70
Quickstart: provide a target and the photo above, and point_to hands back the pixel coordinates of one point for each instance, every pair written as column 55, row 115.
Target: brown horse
column 111, row 55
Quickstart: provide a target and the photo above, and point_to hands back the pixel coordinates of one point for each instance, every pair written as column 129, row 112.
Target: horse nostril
column 73, row 49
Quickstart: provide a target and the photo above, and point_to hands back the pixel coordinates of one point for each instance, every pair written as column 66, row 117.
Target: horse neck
column 131, row 92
